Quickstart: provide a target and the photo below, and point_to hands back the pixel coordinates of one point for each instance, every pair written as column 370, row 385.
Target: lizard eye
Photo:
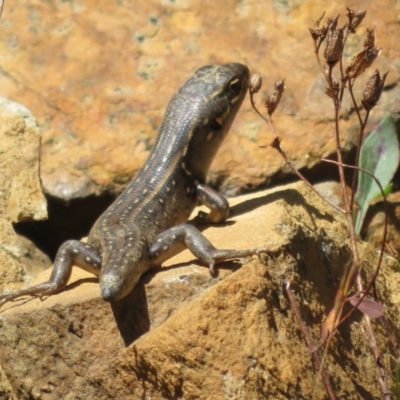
column 235, row 86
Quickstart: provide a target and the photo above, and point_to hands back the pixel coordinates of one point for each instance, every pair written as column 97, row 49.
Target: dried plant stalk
column 334, row 38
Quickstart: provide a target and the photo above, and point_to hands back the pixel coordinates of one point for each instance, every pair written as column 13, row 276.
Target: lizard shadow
column 231, row 265
column 79, row 282
column 20, row 301
column 291, row 196
column 132, row 314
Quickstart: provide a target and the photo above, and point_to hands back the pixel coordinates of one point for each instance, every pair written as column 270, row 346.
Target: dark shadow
column 25, row 299
column 392, row 215
column 379, row 208
column 18, row 303
column 232, row 265
column 66, row 221
column 131, row 314
column 291, row 196
column 252, row 204
column 79, row 282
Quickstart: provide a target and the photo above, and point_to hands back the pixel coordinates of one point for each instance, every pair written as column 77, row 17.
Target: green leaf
column 387, row 190
column 380, row 156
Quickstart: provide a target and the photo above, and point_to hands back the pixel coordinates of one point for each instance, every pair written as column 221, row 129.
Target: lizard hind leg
column 70, row 253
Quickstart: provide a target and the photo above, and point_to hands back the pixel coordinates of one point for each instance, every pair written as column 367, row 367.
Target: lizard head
column 212, row 97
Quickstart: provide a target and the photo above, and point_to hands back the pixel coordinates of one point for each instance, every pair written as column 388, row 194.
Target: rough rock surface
column 21, row 194
column 6, row 392
column 33, row 260
column 375, row 222
column 98, row 76
column 373, row 227
column 183, row 334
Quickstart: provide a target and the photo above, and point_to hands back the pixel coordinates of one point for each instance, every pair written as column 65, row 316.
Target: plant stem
column 350, row 274
column 371, row 336
column 383, row 380
column 384, row 236
column 276, row 144
column 363, row 124
column 313, row 348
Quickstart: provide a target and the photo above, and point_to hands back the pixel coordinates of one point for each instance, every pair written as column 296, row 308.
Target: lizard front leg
column 70, row 253
column 218, row 204
column 179, row 237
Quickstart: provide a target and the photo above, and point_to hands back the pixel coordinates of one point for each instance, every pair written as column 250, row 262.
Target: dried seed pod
column 373, row 90
column 362, row 61
column 334, row 43
column 318, row 34
column 334, row 46
column 355, row 18
column 369, row 42
column 332, row 23
column 273, row 100
column 255, row 83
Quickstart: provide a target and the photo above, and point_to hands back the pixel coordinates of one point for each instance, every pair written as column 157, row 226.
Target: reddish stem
column 313, row 348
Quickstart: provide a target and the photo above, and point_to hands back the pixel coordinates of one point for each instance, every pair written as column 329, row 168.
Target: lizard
column 146, row 224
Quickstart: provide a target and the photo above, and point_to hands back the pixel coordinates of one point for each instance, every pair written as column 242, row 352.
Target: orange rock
column 21, row 196
column 98, row 76
column 193, row 336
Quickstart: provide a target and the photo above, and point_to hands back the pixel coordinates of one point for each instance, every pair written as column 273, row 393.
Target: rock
column 6, row 392
column 33, row 260
column 21, row 194
column 373, row 227
column 183, row 334
column 110, row 69
column 375, row 221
